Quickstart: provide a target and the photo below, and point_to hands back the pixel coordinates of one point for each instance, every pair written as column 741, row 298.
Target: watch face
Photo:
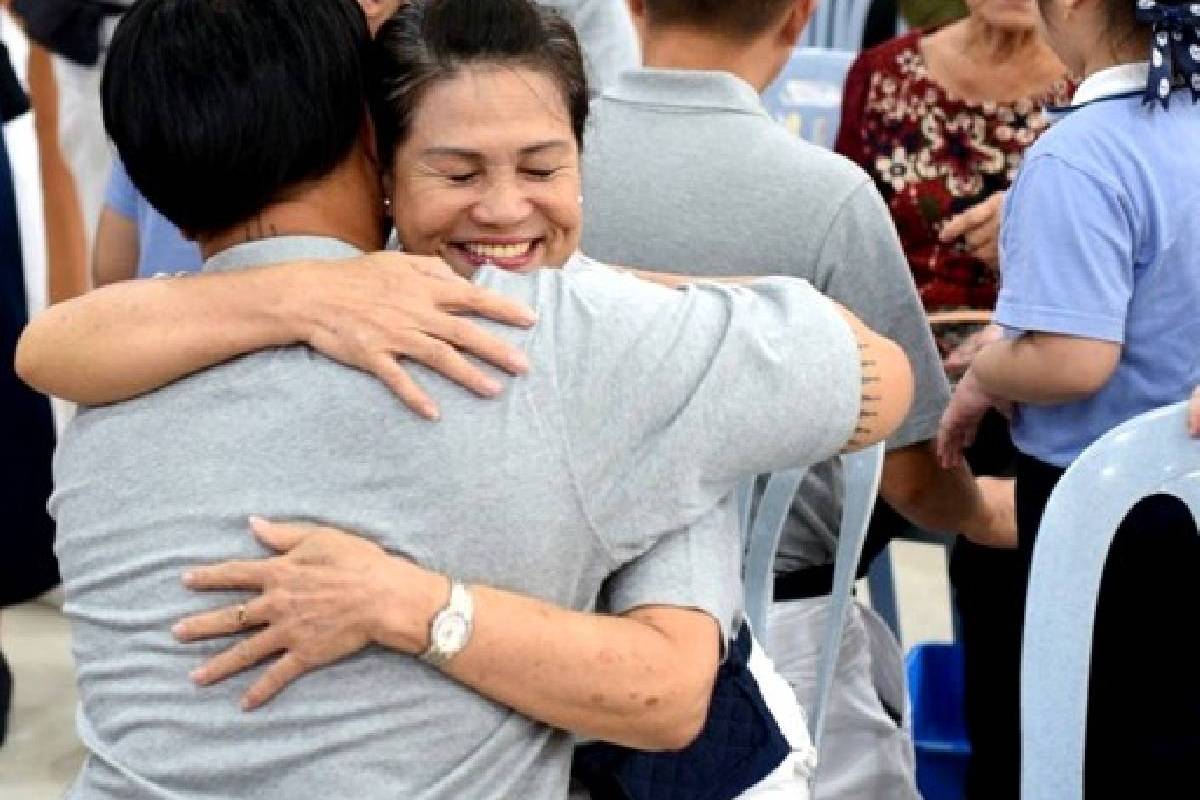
column 452, row 633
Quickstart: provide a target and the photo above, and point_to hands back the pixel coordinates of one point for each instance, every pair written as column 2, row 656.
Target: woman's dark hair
column 219, row 107
column 434, row 40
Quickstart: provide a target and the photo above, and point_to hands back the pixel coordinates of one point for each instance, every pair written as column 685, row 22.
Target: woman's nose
column 504, row 203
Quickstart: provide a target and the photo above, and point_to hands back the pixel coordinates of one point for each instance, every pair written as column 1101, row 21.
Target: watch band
column 450, row 629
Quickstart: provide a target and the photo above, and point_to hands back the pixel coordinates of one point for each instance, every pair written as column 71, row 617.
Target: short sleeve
column 121, row 195
column 671, row 397
column 862, row 266
column 698, row 567
column 1067, row 246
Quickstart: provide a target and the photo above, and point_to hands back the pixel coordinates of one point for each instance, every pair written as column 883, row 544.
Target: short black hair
column 219, row 107
column 433, row 40
column 737, row 18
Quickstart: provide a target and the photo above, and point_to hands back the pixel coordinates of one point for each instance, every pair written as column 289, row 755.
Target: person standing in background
column 606, row 32
column 941, row 119
column 28, row 567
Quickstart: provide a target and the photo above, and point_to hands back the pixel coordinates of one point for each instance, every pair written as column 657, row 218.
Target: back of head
column 432, row 40
column 734, row 18
column 219, row 107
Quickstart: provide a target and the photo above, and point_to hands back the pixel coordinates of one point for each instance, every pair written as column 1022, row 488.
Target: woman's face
column 1008, row 15
column 490, row 173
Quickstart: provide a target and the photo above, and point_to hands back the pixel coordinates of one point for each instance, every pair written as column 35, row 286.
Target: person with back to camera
column 685, row 145
column 941, row 119
column 566, row 670
column 1101, row 272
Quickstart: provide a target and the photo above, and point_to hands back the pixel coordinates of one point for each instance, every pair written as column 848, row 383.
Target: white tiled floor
column 42, row 753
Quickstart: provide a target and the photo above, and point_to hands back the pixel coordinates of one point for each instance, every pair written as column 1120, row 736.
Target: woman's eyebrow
column 455, row 152
column 541, row 147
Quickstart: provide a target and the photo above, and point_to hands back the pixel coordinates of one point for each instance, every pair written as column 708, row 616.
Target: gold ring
column 241, row 615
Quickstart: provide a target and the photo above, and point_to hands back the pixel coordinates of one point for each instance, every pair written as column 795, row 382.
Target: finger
column 230, row 575
column 448, row 362
column 239, row 658
column 387, row 369
column 279, row 536
column 469, row 337
column 220, row 622
column 961, row 224
column 285, row 670
column 472, row 299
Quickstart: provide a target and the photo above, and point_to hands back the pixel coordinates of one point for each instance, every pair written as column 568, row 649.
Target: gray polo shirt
column 685, row 170
column 644, row 409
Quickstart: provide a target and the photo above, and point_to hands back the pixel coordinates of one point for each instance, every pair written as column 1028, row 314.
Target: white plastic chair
column 807, row 95
column 861, row 473
column 1151, row 454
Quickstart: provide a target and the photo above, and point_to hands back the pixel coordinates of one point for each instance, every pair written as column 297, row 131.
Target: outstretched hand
column 373, row 311
column 960, row 422
column 320, row 601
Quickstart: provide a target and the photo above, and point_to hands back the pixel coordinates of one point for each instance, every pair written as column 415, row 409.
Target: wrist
column 286, row 294
column 414, row 596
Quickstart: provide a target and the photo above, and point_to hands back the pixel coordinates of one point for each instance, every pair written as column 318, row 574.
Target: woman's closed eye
column 541, row 174
column 461, row 178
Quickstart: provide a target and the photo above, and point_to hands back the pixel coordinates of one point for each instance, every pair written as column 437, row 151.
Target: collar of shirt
column 1112, row 81
column 686, row 88
column 278, row 249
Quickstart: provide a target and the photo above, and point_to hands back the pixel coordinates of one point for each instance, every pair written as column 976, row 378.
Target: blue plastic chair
column 1151, row 454
column 861, row 473
column 807, row 95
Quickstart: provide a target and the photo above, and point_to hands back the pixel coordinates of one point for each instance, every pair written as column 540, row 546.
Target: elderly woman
column 941, row 119
column 480, row 131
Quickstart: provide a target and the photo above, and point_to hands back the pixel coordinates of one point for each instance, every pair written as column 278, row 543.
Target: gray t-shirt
column 684, row 170
column 644, row 408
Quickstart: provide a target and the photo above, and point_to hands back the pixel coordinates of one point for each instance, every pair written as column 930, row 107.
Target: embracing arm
column 130, row 338
column 643, row 679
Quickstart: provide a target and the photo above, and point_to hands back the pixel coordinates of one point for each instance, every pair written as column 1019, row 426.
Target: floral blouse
column 932, row 156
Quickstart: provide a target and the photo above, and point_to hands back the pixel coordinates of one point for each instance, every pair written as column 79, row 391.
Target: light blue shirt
column 1100, row 240
column 161, row 247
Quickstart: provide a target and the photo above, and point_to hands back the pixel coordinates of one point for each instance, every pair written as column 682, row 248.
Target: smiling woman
column 504, row 186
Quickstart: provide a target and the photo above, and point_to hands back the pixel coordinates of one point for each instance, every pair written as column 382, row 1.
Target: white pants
column 865, row 754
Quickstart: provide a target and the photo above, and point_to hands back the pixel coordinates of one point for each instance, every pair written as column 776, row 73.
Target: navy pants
column 27, row 563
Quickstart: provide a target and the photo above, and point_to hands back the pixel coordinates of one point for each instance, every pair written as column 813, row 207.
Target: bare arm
column 1046, row 369
column 950, row 500
column 887, row 385
column 1194, row 413
column 115, row 255
column 643, row 680
column 130, row 338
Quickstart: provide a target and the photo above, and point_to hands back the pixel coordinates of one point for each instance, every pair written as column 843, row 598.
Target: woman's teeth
column 498, row 250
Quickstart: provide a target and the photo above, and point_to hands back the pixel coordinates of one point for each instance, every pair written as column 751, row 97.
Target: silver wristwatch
column 451, row 627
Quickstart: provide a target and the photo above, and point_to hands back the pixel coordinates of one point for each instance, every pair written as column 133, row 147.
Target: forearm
column 932, row 498
column 1045, row 369
column 617, row 679
column 129, row 338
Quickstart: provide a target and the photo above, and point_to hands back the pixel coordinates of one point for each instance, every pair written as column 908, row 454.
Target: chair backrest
column 1151, row 454
column 837, row 24
column 807, row 95
column 861, row 475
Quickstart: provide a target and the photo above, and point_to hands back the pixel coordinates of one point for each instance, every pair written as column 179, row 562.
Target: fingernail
column 492, row 387
column 197, row 676
column 519, row 363
column 431, row 413
column 177, row 630
column 189, row 578
column 530, row 317
column 256, row 521
column 247, row 704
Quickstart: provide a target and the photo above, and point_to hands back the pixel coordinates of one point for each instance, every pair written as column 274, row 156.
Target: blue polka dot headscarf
column 1176, row 48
